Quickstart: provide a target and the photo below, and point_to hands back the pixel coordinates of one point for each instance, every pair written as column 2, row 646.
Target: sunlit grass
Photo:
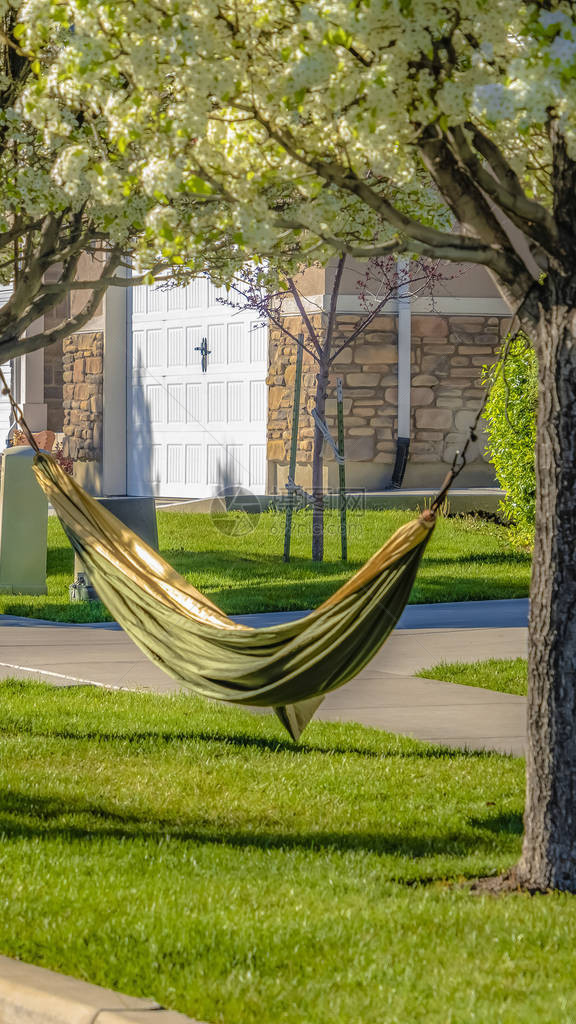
column 508, row 675
column 236, row 560
column 174, row 849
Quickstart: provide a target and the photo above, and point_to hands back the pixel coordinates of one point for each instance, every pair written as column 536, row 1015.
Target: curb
column 35, row 995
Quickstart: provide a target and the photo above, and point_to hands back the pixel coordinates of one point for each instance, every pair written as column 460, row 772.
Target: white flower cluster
column 183, row 121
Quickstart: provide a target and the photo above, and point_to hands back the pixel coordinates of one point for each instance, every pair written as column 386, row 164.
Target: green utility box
column 23, row 525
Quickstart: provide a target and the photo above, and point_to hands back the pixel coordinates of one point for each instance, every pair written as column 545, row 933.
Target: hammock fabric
column 289, row 667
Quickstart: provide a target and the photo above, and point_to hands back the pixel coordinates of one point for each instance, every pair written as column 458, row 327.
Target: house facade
column 168, row 391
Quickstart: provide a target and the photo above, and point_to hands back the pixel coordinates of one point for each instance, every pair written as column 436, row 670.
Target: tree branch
column 301, row 309
column 334, row 304
column 11, row 346
column 529, row 216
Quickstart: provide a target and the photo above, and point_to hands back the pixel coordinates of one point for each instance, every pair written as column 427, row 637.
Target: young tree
column 442, row 128
column 377, row 285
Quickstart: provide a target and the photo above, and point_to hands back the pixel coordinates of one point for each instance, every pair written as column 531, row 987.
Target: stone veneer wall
column 448, row 353
column 82, row 365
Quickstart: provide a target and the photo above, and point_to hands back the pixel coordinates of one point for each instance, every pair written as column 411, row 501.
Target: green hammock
column 289, row 667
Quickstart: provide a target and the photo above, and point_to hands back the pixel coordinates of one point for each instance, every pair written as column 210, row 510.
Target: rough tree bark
column 549, row 851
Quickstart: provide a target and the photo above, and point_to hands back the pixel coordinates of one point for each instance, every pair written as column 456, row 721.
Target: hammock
column 288, row 667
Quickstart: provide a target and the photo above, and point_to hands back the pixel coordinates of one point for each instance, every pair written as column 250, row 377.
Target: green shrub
column 511, row 418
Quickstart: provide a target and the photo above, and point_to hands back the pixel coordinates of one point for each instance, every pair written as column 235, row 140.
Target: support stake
column 291, row 486
column 342, row 471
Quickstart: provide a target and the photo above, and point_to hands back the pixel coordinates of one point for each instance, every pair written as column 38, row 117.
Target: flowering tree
column 446, row 129
column 74, row 210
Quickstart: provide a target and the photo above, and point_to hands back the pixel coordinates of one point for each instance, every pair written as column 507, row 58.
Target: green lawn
column 237, row 561
column 173, row 849
column 509, row 675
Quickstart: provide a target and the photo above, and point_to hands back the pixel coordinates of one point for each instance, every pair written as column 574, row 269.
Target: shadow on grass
column 242, row 741
column 60, row 611
column 500, row 824
column 37, row 817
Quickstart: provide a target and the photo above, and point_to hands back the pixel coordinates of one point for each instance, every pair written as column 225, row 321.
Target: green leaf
column 337, row 37
column 198, row 186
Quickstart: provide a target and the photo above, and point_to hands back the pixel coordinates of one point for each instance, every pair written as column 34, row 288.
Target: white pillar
column 32, row 390
column 114, row 391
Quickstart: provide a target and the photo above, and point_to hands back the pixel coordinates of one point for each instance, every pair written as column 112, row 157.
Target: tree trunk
column 317, row 466
column 549, row 852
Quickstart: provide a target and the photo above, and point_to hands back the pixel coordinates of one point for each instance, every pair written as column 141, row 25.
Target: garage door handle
column 204, row 352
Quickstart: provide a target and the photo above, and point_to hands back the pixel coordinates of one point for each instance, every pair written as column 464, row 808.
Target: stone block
column 94, row 365
column 375, row 354
column 437, row 345
column 383, row 324
column 463, row 419
column 426, row 380
column 360, row 449
column 361, row 432
column 469, row 324
column 429, row 326
column 376, row 368
column 78, row 373
column 359, row 380
column 275, row 396
column 434, row 419
column 475, row 350
column 344, row 357
column 84, row 391
column 422, row 396
column 332, row 406
column 276, row 451
column 439, row 365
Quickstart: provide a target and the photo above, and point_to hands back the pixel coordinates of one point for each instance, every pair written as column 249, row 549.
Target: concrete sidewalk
column 386, row 694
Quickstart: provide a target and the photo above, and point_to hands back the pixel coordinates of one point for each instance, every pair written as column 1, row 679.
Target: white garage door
column 196, row 423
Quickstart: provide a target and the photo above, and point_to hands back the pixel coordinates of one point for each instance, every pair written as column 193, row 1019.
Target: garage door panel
column 177, row 356
column 195, row 429
column 218, row 344
column 258, row 343
column 257, row 401
column 217, row 405
column 176, row 403
column 194, row 335
column 238, row 344
column 195, row 412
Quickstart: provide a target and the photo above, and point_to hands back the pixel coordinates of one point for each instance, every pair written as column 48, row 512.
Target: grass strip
column 507, row 675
